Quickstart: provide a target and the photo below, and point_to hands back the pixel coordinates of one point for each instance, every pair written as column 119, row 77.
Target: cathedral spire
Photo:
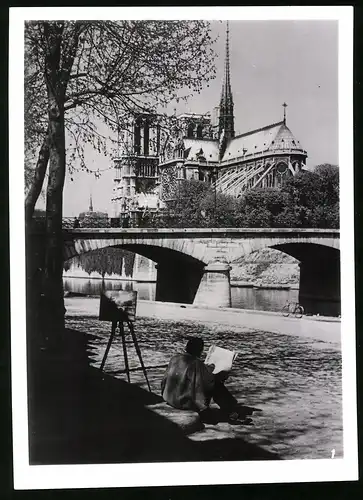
column 284, row 105
column 226, row 118
column 90, row 203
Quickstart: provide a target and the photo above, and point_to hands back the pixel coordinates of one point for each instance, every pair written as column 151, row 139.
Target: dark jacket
column 187, row 383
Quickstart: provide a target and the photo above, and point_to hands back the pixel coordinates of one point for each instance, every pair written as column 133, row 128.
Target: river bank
column 265, row 286
column 318, row 328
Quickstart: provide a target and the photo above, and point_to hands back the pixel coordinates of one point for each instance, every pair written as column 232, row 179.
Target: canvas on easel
column 119, row 307
column 115, row 303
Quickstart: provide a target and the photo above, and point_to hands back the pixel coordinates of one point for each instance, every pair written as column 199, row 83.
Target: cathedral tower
column 226, row 118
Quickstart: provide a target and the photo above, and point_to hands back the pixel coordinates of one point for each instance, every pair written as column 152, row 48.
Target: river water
column 242, row 297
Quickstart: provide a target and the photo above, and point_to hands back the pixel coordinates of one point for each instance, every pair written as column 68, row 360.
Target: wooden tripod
column 120, row 324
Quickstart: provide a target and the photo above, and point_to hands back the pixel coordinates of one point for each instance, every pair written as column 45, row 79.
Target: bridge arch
column 189, row 250
column 291, row 245
column 186, row 257
column 178, row 273
column 319, row 290
column 303, row 250
column 319, row 262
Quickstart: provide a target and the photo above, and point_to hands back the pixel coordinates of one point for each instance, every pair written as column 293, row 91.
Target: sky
column 271, row 62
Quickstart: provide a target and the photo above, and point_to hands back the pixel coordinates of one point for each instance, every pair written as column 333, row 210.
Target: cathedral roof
column 207, row 148
column 266, row 139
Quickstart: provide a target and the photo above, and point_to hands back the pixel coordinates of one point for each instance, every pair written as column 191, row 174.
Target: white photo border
column 174, row 474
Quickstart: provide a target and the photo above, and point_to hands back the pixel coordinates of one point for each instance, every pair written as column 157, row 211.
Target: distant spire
column 226, row 118
column 90, row 203
column 284, row 105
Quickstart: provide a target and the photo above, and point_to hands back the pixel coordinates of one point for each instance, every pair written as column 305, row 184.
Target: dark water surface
column 242, row 298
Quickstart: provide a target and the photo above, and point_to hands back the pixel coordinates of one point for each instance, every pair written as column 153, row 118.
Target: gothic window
column 157, row 138
column 190, row 132
column 199, row 131
column 146, row 138
column 281, row 168
column 282, row 172
column 137, row 138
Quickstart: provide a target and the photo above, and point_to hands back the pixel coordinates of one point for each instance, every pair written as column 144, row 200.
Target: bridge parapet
column 204, row 245
column 212, row 232
column 115, row 224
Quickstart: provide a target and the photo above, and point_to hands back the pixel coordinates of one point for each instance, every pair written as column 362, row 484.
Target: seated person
column 189, row 384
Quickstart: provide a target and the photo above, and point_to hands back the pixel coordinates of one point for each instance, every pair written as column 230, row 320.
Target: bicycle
column 292, row 308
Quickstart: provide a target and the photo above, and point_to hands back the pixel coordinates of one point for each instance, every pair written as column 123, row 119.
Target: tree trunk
column 53, row 284
column 37, row 183
column 58, row 65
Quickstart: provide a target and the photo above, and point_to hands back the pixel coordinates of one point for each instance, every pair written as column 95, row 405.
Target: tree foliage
column 309, row 199
column 118, row 68
column 314, row 197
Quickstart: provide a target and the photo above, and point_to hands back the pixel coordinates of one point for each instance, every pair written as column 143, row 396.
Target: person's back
column 187, row 383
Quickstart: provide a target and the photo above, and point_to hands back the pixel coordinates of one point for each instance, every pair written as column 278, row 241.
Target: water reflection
column 262, row 300
column 242, row 298
column 146, row 291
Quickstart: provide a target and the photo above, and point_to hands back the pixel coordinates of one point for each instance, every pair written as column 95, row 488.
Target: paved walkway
column 327, row 331
column 289, row 368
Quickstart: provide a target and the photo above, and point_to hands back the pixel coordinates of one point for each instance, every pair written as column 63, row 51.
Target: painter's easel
column 120, row 308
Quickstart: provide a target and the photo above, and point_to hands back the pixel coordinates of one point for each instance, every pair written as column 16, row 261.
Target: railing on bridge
column 148, row 221
column 155, row 221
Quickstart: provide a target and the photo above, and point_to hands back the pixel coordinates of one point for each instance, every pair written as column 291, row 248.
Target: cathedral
column 205, row 148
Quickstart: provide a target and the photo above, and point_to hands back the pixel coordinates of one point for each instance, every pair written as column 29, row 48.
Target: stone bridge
column 193, row 264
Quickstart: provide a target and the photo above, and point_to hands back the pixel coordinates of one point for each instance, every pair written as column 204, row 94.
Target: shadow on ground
column 215, row 415
column 79, row 415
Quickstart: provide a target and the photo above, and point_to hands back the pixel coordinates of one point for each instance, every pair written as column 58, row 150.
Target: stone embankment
column 267, row 268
